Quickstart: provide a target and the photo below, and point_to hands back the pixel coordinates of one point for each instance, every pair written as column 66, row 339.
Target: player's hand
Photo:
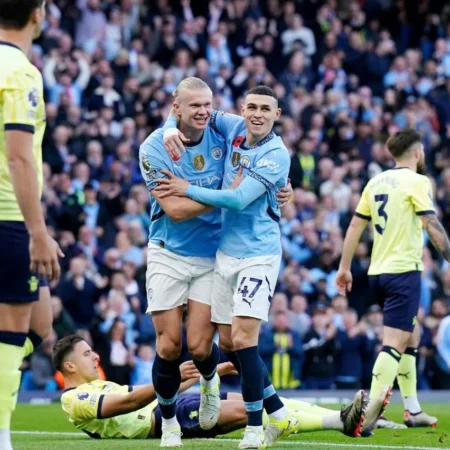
column 44, row 254
column 171, row 186
column 174, row 141
column 237, row 179
column 344, row 281
column 188, row 371
column 285, row 194
column 226, row 368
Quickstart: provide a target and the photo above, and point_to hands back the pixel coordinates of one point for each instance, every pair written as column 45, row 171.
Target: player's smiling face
column 193, row 108
column 260, row 113
column 84, row 361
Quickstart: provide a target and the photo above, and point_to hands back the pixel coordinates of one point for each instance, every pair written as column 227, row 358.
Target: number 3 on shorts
column 243, row 288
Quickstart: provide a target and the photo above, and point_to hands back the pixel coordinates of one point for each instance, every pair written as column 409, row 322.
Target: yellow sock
column 306, row 407
column 384, row 370
column 407, row 373
column 308, row 422
column 11, row 357
column 28, row 347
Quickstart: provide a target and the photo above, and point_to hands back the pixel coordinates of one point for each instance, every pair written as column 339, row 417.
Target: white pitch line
column 289, row 443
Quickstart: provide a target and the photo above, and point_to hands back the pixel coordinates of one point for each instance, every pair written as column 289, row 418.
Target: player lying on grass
column 107, row 410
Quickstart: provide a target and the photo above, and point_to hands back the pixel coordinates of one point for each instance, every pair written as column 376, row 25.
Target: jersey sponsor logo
column 271, row 165
column 238, row 141
column 141, row 417
column 235, row 158
column 33, row 97
column 82, row 396
column 217, row 153
column 93, row 400
column 33, row 282
column 212, row 180
column 245, row 161
column 199, row 162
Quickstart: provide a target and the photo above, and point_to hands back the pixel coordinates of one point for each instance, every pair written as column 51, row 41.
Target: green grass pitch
column 44, row 427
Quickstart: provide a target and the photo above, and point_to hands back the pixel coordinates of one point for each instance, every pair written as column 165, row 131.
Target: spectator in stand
column 353, row 346
column 321, row 350
column 41, row 365
column 63, row 324
column 142, row 365
column 281, row 349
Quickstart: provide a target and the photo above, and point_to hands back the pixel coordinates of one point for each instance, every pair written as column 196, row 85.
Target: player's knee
column 199, row 350
column 169, row 349
column 240, row 341
column 226, row 346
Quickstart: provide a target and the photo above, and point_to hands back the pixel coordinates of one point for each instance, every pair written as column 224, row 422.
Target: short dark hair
column 62, row 348
column 402, row 141
column 15, row 14
column 263, row 90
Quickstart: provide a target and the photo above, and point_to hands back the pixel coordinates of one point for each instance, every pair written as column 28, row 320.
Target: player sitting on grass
column 107, row 410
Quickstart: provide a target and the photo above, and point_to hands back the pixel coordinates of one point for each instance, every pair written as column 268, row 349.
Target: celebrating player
column 184, row 237
column 400, row 202
column 107, row 410
column 249, row 255
column 26, row 248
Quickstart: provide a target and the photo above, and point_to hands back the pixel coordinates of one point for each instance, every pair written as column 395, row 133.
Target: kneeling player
column 107, row 410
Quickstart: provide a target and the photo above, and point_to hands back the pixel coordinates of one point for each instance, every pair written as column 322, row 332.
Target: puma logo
column 376, row 375
column 406, row 375
column 249, row 302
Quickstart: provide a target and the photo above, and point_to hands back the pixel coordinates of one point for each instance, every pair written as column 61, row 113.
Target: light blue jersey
column 251, row 213
column 202, row 165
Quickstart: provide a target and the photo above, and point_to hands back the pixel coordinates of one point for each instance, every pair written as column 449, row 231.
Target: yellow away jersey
column 21, row 108
column 83, row 406
column 394, row 200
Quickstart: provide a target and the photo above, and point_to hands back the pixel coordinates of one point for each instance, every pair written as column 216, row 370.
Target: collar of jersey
column 10, row 45
column 69, row 389
column 194, row 144
column 398, row 168
column 269, row 137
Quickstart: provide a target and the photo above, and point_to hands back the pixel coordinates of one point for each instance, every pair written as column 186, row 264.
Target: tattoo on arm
column 438, row 236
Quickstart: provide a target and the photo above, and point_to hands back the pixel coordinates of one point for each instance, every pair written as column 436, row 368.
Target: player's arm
column 256, row 182
column 19, row 117
column 180, row 209
column 422, row 200
column 357, row 225
column 177, row 208
column 437, row 234
column 174, row 139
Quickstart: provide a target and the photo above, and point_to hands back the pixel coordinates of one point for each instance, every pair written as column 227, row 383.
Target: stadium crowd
column 348, row 74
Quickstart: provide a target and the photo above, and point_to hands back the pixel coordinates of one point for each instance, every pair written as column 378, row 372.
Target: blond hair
column 190, row 84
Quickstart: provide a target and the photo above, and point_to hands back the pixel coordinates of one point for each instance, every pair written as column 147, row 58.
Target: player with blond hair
column 184, row 237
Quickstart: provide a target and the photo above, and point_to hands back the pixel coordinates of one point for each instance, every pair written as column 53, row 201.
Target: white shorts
column 243, row 287
column 172, row 279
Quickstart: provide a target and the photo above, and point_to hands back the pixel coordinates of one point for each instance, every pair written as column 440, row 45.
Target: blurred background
column 348, row 75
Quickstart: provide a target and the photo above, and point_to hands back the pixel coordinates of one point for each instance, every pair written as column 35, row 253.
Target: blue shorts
column 187, row 415
column 399, row 293
column 18, row 284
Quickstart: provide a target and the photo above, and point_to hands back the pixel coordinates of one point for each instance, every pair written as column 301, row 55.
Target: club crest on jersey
column 217, row 153
column 238, row 141
column 235, row 158
column 199, row 162
column 245, row 161
column 82, row 396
